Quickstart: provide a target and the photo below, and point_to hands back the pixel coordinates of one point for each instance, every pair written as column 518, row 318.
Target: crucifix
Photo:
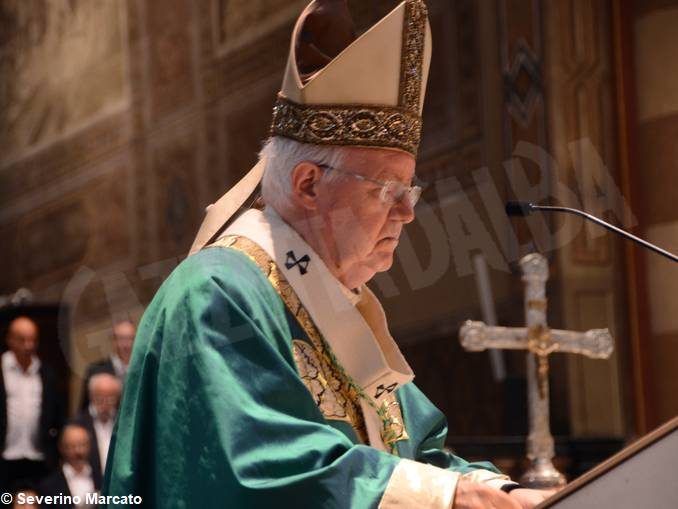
column 540, row 342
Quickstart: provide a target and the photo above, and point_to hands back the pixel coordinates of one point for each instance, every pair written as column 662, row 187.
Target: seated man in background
column 104, row 392
column 116, row 363
column 74, row 477
column 30, row 410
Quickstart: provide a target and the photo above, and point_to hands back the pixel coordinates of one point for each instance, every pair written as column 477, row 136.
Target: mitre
column 370, row 94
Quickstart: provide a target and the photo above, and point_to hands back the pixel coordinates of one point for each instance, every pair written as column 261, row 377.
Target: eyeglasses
column 392, row 191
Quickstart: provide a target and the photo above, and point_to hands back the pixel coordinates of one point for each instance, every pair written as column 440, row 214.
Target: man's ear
column 305, row 177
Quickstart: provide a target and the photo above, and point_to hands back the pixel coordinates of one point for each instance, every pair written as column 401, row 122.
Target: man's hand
column 475, row 495
column 530, row 498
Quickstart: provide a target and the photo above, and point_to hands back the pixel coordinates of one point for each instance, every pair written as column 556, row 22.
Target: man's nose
column 403, row 210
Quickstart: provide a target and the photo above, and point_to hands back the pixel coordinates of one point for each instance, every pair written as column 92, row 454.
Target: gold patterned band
column 412, row 55
column 370, row 126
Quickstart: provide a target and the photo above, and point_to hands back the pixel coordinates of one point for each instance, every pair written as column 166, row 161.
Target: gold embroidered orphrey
column 325, row 387
column 335, row 393
column 366, row 125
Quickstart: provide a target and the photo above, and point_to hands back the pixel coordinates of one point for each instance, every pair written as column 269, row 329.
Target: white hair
column 102, row 377
column 282, row 155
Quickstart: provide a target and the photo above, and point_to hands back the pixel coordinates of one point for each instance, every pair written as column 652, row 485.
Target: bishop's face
column 359, row 227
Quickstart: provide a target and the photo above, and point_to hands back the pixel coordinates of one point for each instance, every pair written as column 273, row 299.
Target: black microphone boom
column 519, row 208
column 522, row 208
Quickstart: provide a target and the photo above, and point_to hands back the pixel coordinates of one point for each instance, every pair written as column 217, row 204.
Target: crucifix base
column 542, row 475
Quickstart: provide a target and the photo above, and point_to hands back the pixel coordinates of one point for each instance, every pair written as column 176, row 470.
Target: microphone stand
column 525, row 209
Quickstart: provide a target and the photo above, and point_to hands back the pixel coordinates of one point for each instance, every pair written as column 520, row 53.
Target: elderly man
column 30, row 411
column 75, row 477
column 104, row 395
column 116, row 363
column 264, row 374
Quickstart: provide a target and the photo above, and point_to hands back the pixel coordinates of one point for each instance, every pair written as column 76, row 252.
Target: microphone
column 519, row 208
column 522, row 208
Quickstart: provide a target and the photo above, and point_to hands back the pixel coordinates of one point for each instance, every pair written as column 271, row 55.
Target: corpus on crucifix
column 540, row 342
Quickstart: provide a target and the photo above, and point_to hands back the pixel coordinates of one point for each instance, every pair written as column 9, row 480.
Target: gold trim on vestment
column 323, row 384
column 318, row 371
column 392, row 420
column 318, row 368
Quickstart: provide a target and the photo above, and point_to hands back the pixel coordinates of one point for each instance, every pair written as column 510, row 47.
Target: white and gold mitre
column 371, row 94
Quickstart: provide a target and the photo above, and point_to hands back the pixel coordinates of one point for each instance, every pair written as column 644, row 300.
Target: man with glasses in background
column 115, row 364
column 98, row 419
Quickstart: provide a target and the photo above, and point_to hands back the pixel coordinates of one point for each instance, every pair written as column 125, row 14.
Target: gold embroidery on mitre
column 319, row 371
column 372, row 125
column 412, row 54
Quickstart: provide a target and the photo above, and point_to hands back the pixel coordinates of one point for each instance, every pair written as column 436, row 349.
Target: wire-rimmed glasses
column 392, row 191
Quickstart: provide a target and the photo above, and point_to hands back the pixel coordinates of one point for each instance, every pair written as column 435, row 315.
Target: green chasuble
column 232, row 399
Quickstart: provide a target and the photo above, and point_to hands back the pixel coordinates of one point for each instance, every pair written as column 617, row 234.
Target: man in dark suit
column 116, row 363
column 104, row 394
column 75, row 477
column 31, row 413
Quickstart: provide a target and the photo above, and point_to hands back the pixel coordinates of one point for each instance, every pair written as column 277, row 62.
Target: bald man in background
column 31, row 414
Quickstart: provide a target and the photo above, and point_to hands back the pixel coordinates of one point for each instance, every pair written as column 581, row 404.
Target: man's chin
column 382, row 261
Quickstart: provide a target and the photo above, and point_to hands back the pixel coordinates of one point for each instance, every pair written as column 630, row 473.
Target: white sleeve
column 414, row 484
column 488, row 477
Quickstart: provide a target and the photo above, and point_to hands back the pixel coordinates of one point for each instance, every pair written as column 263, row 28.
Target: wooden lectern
column 641, row 476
